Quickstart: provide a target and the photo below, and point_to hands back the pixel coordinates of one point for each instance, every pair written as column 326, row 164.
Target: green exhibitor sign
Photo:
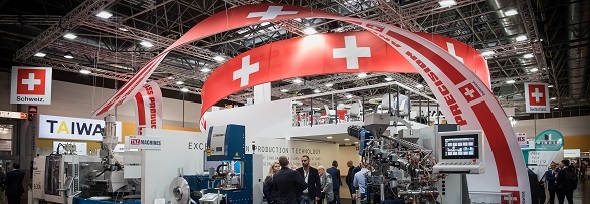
column 549, row 140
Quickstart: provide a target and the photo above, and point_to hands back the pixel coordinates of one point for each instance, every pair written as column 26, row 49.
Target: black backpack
column 571, row 179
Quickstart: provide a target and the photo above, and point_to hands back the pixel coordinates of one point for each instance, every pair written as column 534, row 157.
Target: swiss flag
column 537, row 95
column 31, row 81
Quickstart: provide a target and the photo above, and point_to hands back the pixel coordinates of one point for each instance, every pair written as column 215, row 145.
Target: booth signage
column 15, row 115
column 521, row 137
column 5, row 145
column 30, row 85
column 571, row 153
column 143, row 142
column 148, row 112
column 537, row 98
column 549, row 140
column 57, row 127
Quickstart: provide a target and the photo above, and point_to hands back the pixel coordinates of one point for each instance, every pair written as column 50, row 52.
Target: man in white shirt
column 360, row 183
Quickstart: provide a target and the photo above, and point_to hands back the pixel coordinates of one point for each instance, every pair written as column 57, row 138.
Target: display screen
column 460, row 147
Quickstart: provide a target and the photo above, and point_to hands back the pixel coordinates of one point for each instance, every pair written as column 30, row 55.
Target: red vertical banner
column 149, row 107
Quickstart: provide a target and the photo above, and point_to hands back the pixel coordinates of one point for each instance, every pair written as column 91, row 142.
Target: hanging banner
column 466, row 99
column 30, row 85
column 548, row 148
column 148, row 112
column 537, row 98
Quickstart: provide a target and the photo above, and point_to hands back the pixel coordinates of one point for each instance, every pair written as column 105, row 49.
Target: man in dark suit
column 350, row 178
column 288, row 183
column 14, row 184
column 336, row 180
column 312, row 178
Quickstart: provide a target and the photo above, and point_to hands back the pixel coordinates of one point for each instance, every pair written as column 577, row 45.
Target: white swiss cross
column 537, row 95
column 244, row 72
column 451, row 49
column 351, row 52
column 469, row 92
column 271, row 13
column 31, row 81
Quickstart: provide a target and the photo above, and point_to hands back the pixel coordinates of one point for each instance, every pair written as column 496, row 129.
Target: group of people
column 306, row 184
column 12, row 184
column 561, row 180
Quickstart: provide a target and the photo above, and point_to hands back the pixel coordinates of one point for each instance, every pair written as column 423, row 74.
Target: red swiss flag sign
column 31, row 85
column 537, row 98
column 30, row 81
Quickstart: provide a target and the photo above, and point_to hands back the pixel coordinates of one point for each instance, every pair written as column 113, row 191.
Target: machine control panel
column 460, row 152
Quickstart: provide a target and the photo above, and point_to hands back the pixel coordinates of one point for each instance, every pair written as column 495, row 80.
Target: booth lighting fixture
column 388, row 79
column 534, row 70
column 447, row 3
column 511, row 81
column 488, row 53
column 521, row 38
column 349, row 96
column 310, row 31
column 170, row 77
column 511, row 12
column 184, row 89
column 104, row 14
column 123, row 29
column 316, row 91
column 356, row 142
column 550, row 86
column 419, row 86
column 70, row 36
column 346, row 139
column 527, row 56
column 180, row 82
column 219, row 58
column 553, row 98
column 68, row 55
column 362, row 75
column 556, row 108
column 205, row 70
column 146, row 44
column 85, row 71
column 329, row 137
column 284, row 90
column 40, row 54
column 329, row 84
column 297, row 81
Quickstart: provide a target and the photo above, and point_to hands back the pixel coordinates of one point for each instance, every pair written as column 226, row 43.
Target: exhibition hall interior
column 295, row 101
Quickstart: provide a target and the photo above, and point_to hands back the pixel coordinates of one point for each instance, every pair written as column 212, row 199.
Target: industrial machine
column 233, row 176
column 405, row 168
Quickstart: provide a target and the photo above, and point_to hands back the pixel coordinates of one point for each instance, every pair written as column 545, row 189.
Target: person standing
column 14, row 184
column 269, row 191
column 288, row 183
column 360, row 183
column 336, row 180
column 550, row 177
column 566, row 182
column 327, row 193
column 312, row 178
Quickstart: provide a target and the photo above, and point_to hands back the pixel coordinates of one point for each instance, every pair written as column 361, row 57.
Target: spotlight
column 68, row 55
column 297, row 81
column 184, row 89
column 316, row 91
column 84, row 71
column 180, row 82
column 348, row 96
column 419, row 86
column 511, row 12
column 521, row 38
column 104, row 14
column 146, row 44
column 447, row 3
column 284, row 90
column 40, row 54
column 362, row 75
column 329, row 137
column 219, row 58
column 329, row 84
column 488, row 53
column 527, row 56
column 70, row 36
column 205, row 70
column 511, row 81
column 388, row 79
column 310, row 31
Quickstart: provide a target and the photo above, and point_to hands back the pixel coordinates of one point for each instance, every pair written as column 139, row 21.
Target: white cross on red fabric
column 351, row 52
column 271, row 13
column 244, row 72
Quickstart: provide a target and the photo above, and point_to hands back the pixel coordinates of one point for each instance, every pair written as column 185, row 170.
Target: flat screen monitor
column 460, row 146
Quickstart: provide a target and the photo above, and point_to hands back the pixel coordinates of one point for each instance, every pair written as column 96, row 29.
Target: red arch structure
column 464, row 96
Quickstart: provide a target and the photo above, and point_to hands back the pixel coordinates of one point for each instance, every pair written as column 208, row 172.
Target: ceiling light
column 180, row 82
column 205, row 70
column 511, row 12
column 184, row 89
column 297, row 81
column 527, row 56
column 84, row 71
column 219, row 58
column 316, row 91
column 310, row 31
column 346, row 139
column 534, row 70
column 349, row 96
column 553, row 98
column 550, row 86
column 488, row 53
column 511, row 81
column 521, row 38
column 68, row 55
column 70, row 36
column 556, row 108
column 284, row 90
column 362, row 75
column 388, row 79
column 104, row 14
column 329, row 137
column 123, row 29
column 329, row 84
column 356, row 142
column 170, row 77
column 40, row 54
column 447, row 3
column 146, row 44
column 419, row 86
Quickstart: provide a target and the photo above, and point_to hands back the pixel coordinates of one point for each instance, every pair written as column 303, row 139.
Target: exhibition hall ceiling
column 523, row 41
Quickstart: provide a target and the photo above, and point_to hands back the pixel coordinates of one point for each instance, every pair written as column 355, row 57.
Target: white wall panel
column 571, row 126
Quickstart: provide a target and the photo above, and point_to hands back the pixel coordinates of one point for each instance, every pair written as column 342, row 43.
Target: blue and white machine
column 237, row 178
